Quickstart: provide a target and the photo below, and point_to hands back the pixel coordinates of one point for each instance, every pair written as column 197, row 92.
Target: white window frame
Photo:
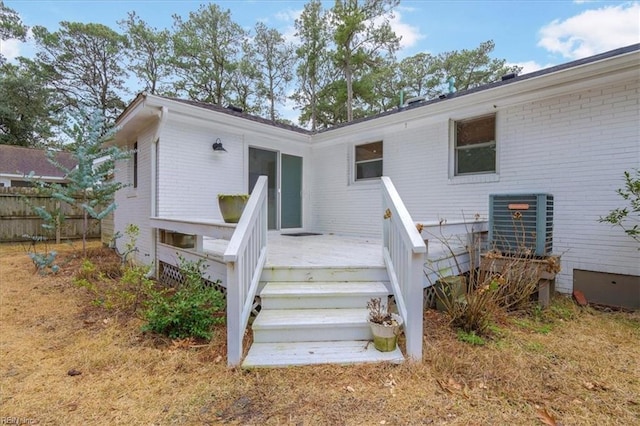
column 354, row 163
column 471, row 177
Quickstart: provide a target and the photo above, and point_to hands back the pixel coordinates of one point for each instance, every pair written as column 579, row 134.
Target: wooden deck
column 324, row 250
column 336, row 251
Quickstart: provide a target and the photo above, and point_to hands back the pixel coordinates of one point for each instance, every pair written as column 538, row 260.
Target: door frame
column 279, row 185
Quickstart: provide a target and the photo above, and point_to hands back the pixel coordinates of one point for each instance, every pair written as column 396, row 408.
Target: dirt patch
column 579, row 365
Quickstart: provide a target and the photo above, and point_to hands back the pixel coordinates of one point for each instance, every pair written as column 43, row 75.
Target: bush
column 114, row 287
column 189, row 311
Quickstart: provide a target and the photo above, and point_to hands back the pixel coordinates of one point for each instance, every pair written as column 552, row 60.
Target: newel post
column 415, row 306
column 234, row 313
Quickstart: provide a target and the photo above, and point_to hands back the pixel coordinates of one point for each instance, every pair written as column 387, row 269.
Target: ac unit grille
column 521, row 224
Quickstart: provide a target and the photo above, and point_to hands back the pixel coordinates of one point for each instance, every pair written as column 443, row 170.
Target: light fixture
column 218, row 148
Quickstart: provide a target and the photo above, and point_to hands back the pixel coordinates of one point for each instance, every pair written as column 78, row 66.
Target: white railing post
column 404, row 254
column 245, row 257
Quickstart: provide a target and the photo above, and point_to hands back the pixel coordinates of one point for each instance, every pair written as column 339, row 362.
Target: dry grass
column 581, row 366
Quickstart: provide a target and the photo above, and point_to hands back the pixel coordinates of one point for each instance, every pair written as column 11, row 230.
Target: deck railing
column 404, row 254
column 245, row 257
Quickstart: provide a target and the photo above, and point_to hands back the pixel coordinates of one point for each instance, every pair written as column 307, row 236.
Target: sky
column 534, row 34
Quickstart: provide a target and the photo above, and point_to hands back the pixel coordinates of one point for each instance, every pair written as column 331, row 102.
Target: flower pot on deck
column 385, row 336
column 231, row 206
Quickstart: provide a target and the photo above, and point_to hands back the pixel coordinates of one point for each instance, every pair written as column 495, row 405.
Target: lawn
column 567, row 365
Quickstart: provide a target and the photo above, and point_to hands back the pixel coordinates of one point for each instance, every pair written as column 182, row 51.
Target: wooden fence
column 17, row 217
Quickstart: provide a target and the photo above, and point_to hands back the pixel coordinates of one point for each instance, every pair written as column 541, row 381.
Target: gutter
column 164, row 112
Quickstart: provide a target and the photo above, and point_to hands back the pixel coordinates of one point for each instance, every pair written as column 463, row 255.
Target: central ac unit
column 521, row 224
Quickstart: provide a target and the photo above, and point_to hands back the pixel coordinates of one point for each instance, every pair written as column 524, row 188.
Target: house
column 569, row 130
column 16, row 162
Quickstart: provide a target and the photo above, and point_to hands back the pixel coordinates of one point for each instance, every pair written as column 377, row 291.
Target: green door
column 291, row 198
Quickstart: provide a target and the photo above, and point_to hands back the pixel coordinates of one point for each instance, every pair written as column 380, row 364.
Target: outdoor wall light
column 218, row 148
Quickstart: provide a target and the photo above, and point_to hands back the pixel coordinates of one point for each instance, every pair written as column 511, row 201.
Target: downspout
column 164, row 112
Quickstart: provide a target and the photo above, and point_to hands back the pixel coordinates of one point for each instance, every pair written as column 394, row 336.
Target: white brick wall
column 575, row 147
column 134, row 204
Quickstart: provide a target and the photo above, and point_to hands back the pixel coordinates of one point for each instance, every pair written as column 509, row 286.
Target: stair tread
column 323, row 288
column 276, row 318
column 310, row 353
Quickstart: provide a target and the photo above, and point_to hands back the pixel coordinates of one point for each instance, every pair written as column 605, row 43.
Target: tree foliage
column 11, row 26
column 628, row 217
column 89, row 185
column 472, row 68
column 149, row 52
column 274, row 60
column 314, row 69
column 29, row 110
column 362, row 35
column 85, row 64
column 341, row 66
column 206, row 51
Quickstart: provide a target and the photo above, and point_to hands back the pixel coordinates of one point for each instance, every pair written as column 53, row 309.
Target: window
column 135, row 165
column 368, row 163
column 475, row 145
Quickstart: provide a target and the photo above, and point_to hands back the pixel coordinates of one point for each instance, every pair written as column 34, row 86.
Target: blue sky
column 533, row 33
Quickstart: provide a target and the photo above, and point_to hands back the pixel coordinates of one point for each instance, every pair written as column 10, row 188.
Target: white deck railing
column 245, row 257
column 404, row 255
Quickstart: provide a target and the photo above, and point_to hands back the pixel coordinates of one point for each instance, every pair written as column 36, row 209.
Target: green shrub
column 190, row 311
column 114, row 287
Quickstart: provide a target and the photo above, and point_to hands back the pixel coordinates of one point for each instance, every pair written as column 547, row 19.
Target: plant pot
column 231, row 206
column 385, row 337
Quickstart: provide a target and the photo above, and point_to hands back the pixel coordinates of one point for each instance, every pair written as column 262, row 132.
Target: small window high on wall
column 368, row 164
column 475, row 145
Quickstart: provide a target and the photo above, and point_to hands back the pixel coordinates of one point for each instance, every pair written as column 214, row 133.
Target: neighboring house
column 570, row 131
column 16, row 162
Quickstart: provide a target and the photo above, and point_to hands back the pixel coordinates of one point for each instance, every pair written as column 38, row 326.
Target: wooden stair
column 317, row 316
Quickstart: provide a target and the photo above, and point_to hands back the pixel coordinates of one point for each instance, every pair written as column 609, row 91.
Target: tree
column 206, row 49
column 149, row 52
column 85, row 62
column 29, row 110
column 419, row 75
column 89, row 185
column 628, row 217
column 472, row 68
column 314, row 70
column 275, row 61
column 243, row 91
column 362, row 34
column 11, row 26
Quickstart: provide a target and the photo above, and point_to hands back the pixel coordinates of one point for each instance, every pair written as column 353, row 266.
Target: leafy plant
column 44, row 260
column 189, row 311
column 114, row 287
column 470, row 337
column 627, row 217
column 131, row 231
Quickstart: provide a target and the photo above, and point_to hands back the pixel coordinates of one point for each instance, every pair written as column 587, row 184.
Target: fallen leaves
column 546, row 417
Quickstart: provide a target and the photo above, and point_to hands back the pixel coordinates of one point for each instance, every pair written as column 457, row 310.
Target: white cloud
column 410, row 34
column 10, row 48
column 593, row 31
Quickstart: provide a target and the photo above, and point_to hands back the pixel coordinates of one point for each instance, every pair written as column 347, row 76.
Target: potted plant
column 231, row 206
column 385, row 326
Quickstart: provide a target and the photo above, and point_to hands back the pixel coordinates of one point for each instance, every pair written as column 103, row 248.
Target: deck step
column 300, row 325
column 317, row 295
column 318, row 273
column 308, row 353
